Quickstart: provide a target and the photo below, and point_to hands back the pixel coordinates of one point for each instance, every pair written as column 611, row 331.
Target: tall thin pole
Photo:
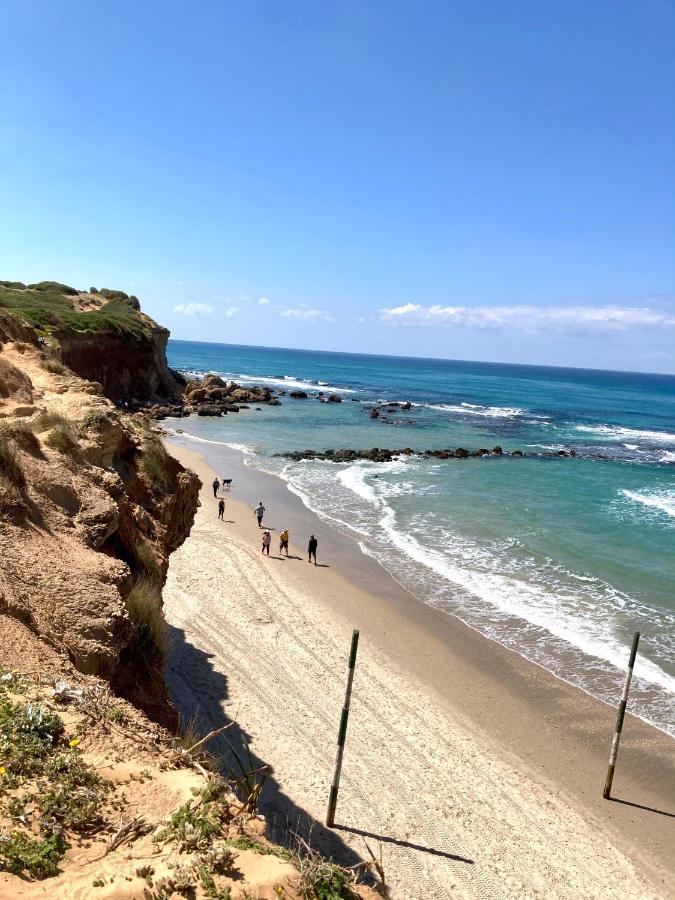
column 332, row 800
column 619, row 719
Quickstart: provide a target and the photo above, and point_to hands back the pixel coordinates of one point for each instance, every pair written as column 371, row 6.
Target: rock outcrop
column 379, row 454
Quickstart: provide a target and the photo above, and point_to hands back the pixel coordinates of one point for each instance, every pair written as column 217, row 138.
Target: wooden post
column 619, row 719
column 332, row 801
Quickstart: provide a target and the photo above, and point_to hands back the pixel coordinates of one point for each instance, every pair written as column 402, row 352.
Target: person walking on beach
column 283, row 541
column 259, row 513
column 221, row 509
column 216, row 485
column 266, row 541
column 311, row 548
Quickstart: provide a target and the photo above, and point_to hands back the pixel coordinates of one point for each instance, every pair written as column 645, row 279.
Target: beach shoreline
column 553, row 735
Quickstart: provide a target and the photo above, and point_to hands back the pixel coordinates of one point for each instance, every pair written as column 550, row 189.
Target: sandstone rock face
column 128, row 368
column 91, row 525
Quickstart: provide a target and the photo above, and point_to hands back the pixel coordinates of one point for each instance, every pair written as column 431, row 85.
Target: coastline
column 543, row 740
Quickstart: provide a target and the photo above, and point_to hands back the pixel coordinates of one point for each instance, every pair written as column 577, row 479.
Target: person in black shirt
column 311, row 549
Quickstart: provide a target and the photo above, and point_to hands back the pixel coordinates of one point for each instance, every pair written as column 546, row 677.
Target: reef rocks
column 379, row 454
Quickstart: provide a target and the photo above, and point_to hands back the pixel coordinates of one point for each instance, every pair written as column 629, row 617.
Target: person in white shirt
column 259, row 513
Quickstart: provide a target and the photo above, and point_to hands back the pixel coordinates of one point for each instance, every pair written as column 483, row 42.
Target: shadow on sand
column 199, row 693
column 400, row 843
column 651, row 809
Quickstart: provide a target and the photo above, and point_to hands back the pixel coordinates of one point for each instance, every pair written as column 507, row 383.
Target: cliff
column 101, row 335
column 91, row 506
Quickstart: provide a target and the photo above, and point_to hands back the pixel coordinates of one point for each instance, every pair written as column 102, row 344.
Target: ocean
column 559, row 559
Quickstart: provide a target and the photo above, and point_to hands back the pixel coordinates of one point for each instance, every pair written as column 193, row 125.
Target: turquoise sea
column 559, row 559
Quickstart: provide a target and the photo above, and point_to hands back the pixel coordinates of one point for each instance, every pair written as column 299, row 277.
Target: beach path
column 449, row 813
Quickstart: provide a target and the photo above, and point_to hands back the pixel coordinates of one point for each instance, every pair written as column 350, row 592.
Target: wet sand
column 457, row 747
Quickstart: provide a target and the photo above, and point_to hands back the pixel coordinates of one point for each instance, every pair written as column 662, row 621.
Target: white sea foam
column 619, row 433
column 668, row 456
column 290, row 381
column 243, row 448
column 663, row 500
column 472, row 409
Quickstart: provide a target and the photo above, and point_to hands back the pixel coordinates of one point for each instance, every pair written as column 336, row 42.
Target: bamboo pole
column 342, row 733
column 619, row 719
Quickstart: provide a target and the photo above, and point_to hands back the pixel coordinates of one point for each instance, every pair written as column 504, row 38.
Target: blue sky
column 468, row 180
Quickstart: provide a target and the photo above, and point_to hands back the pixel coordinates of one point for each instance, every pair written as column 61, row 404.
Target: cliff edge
column 91, row 506
column 101, row 335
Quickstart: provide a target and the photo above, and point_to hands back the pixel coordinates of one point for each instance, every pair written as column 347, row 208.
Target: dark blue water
column 560, row 559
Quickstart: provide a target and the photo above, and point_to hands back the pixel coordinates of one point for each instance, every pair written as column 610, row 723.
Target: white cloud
column 232, row 311
column 530, row 319
column 263, row 301
column 193, row 309
column 307, row 314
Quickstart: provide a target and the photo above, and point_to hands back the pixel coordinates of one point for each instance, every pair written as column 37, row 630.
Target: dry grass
column 11, row 498
column 62, row 435
column 147, row 561
column 155, row 465
column 61, row 438
column 47, row 419
column 144, row 604
column 54, row 366
column 22, row 435
column 10, row 466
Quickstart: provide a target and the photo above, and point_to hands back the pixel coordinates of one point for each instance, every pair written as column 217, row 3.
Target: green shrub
column 54, row 286
column 19, row 285
column 61, row 438
column 20, row 346
column 27, row 735
column 144, row 604
column 95, row 420
column 322, row 879
column 76, row 795
column 39, row 859
column 189, row 827
column 54, row 366
column 113, row 295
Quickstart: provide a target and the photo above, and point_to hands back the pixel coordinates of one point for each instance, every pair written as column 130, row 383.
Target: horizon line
column 488, row 362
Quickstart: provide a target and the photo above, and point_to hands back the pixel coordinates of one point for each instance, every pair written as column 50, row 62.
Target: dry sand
column 472, row 772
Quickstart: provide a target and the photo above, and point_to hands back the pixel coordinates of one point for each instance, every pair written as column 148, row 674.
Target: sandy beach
column 471, row 771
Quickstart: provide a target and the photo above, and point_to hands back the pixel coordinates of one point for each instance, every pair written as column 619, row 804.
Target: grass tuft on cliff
column 144, row 604
column 12, row 479
column 50, row 307
column 155, row 464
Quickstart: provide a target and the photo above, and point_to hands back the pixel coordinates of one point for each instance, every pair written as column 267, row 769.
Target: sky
column 488, row 181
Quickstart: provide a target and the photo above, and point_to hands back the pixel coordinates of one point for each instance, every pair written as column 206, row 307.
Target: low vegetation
column 95, row 420
column 46, row 788
column 62, row 435
column 147, row 561
column 54, row 366
column 49, row 307
column 61, row 438
column 12, row 478
column 155, row 464
column 144, row 604
column 22, row 435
